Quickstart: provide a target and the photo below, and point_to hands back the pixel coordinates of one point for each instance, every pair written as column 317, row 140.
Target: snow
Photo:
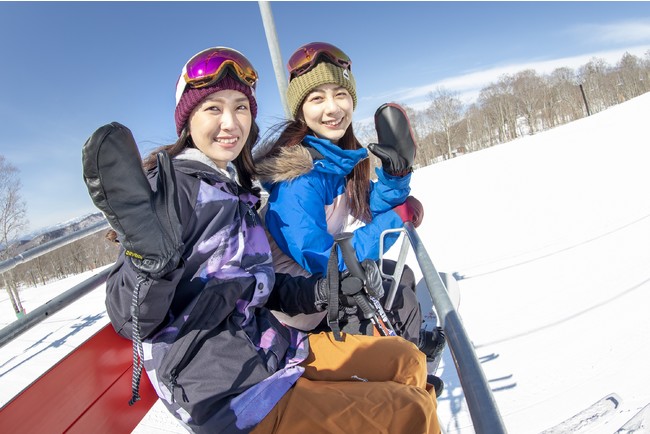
column 549, row 236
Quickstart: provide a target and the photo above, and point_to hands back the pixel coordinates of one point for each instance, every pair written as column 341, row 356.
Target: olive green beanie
column 322, row 73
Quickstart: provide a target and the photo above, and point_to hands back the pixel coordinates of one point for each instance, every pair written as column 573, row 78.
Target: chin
column 335, row 137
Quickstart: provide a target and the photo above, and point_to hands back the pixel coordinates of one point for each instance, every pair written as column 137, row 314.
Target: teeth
column 333, row 123
column 229, row 141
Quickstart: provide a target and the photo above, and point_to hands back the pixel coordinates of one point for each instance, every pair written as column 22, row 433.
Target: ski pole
column 379, row 317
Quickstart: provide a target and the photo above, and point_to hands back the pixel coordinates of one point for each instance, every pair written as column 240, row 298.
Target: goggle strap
column 319, row 57
column 209, row 80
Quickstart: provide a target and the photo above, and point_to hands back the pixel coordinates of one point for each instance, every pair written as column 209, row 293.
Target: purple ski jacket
column 215, row 354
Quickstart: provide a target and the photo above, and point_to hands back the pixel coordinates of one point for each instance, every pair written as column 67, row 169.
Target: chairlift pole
column 276, row 56
column 584, row 98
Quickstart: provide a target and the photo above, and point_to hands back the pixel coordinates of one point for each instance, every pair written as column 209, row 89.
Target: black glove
column 350, row 286
column 321, row 291
column 374, row 285
column 396, row 147
column 147, row 223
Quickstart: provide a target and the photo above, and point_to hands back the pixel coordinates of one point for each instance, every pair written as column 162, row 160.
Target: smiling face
column 220, row 125
column 327, row 111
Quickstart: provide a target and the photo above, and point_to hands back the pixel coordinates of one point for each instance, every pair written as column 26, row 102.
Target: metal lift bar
column 23, row 324
column 51, row 245
column 480, row 401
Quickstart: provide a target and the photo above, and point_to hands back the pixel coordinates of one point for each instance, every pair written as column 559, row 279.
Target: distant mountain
column 44, row 235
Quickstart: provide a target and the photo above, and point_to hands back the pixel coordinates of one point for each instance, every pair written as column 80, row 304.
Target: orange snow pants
column 363, row 385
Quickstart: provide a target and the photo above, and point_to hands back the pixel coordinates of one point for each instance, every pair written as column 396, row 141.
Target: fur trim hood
column 288, row 163
column 313, row 153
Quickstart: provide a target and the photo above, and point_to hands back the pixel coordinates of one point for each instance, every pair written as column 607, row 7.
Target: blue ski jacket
column 307, row 205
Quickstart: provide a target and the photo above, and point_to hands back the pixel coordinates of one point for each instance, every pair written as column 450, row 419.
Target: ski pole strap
column 333, row 294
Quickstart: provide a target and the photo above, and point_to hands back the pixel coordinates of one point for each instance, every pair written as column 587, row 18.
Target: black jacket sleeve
column 155, row 298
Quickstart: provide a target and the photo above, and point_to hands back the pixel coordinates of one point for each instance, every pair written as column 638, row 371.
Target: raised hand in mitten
column 410, row 211
column 396, row 148
column 147, row 222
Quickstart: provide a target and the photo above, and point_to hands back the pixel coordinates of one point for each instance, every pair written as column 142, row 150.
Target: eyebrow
column 322, row 90
column 221, row 98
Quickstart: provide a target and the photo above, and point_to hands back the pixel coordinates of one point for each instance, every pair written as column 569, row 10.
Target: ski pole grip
column 364, row 304
column 344, row 240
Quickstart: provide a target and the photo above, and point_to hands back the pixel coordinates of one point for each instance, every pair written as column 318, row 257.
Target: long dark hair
column 243, row 163
column 357, row 181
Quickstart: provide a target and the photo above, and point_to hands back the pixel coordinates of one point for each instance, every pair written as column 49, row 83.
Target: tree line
column 83, row 255
column 519, row 104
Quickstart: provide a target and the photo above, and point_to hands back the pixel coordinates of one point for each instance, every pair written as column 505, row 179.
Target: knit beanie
column 323, row 73
column 191, row 97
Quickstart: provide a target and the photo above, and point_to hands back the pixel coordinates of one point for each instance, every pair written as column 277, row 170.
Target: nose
column 331, row 106
column 227, row 119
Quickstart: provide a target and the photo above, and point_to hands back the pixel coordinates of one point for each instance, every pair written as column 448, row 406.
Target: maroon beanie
column 192, row 97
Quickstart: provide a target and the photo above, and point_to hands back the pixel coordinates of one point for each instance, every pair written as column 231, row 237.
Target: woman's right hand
column 147, row 223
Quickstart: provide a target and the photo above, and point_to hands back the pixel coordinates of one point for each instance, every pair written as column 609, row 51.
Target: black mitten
column 396, row 147
column 147, row 222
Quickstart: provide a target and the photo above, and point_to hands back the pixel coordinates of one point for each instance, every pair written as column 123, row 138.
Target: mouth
column 333, row 124
column 227, row 142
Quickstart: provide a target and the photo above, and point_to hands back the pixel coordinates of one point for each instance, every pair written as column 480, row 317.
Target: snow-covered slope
column 550, row 236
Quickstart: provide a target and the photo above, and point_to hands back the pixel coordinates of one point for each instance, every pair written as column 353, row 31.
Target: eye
column 242, row 107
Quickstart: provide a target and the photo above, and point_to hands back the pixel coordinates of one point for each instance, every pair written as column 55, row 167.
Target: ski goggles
column 208, row 66
column 307, row 56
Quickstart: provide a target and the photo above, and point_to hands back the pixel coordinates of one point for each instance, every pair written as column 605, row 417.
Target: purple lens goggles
column 208, row 66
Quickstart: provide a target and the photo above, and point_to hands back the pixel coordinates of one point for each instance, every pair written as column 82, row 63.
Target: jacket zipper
column 250, row 215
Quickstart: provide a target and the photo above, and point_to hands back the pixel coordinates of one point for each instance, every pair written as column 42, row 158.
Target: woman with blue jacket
column 318, row 178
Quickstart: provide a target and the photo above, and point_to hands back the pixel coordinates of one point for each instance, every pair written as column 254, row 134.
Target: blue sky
column 70, row 67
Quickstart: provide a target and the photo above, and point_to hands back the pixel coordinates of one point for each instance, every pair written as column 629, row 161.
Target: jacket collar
column 335, row 160
column 193, row 154
column 314, row 153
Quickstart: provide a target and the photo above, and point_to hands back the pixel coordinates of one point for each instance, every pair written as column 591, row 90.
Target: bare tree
column 633, row 78
column 565, row 104
column 446, row 112
column 422, row 129
column 530, row 92
column 12, row 220
column 477, row 129
column 596, row 81
column 500, row 107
